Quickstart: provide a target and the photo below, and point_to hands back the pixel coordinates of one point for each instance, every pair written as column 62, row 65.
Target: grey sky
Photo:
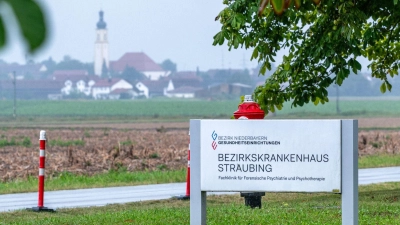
column 180, row 30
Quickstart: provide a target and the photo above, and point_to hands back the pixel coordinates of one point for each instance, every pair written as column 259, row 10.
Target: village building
column 141, row 62
column 101, row 47
column 103, row 88
column 75, row 81
column 183, row 92
column 154, row 88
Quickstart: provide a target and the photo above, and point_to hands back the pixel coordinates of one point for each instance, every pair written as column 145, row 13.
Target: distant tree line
column 364, row 85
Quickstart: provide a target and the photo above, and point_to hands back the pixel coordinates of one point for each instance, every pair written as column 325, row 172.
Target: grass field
column 378, row 204
column 174, row 108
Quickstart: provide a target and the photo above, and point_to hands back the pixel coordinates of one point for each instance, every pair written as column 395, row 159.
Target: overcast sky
column 180, row 30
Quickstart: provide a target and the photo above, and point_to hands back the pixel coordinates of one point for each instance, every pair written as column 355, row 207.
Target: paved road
column 104, row 196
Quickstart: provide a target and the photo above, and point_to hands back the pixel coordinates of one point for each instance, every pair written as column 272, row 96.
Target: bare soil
column 103, row 150
column 136, row 147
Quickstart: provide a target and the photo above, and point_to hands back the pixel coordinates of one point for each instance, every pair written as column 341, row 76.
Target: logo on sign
column 214, row 137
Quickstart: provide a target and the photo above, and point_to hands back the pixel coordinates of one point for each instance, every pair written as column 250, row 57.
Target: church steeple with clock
column 101, row 47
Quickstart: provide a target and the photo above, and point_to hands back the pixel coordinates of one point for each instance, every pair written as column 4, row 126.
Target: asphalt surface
column 115, row 195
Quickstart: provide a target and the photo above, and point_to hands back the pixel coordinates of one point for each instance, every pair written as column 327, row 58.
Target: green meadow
column 36, row 113
column 174, row 108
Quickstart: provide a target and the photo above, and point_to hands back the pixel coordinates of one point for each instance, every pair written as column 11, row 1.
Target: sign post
column 349, row 172
column 274, row 156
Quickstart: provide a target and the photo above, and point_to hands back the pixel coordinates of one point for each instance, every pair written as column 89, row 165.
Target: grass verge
column 381, row 160
column 113, row 178
column 378, row 204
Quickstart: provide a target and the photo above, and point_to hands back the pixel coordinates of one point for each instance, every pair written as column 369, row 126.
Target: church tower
column 101, row 47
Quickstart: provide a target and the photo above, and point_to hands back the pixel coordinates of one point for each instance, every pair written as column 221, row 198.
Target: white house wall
column 155, row 75
column 102, row 92
column 98, row 91
column 141, row 87
column 122, row 84
column 80, row 85
column 170, row 86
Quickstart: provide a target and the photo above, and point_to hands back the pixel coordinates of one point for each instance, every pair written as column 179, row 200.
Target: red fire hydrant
column 250, row 110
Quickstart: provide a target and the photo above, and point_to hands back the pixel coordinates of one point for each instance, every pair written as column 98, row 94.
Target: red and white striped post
column 187, row 195
column 42, row 160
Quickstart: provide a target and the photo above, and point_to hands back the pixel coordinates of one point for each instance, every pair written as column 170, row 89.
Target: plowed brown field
column 102, row 150
column 142, row 147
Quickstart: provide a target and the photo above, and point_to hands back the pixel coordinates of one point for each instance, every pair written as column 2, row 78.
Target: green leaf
column 221, row 40
column 286, row 66
column 357, row 65
column 2, row 33
column 235, row 42
column 31, row 22
column 340, row 77
column 263, row 69
column 217, row 38
column 389, row 86
column 383, row 87
column 255, row 54
column 234, row 22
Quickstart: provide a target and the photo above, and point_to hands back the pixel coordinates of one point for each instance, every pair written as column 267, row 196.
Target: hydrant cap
column 249, row 109
column 248, row 98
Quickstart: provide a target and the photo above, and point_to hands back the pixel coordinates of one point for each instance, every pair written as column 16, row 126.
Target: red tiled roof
column 138, row 60
column 187, row 78
column 106, row 82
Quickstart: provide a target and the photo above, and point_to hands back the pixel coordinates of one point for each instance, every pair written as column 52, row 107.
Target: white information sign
column 270, row 155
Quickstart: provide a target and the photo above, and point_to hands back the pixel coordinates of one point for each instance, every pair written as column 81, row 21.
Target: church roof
column 101, row 24
column 138, row 60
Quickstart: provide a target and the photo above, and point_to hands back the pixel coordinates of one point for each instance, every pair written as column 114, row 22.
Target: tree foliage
column 324, row 39
column 68, row 63
column 31, row 21
column 131, row 75
column 168, row 65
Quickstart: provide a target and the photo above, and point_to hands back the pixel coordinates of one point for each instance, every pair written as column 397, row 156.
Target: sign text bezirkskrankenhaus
column 254, row 162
